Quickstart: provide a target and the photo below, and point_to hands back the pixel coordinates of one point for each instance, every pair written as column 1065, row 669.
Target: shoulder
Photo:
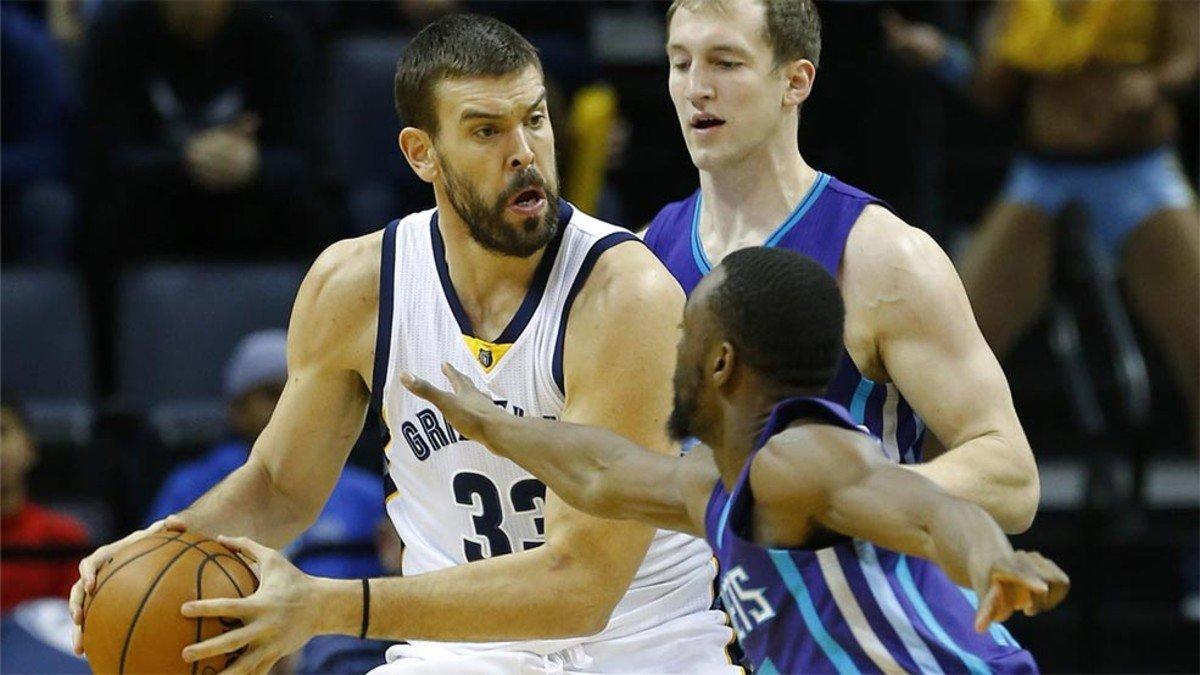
column 806, row 459
column 344, row 279
column 336, row 307
column 629, row 280
column 889, row 264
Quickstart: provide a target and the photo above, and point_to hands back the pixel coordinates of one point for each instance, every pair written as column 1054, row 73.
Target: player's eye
column 728, row 65
column 537, row 120
column 485, row 132
column 680, row 65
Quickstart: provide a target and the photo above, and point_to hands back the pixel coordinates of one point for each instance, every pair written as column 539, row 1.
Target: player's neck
column 489, row 285
column 741, row 423
column 743, row 202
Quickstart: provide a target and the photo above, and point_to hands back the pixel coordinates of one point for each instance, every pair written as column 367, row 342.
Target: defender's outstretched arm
column 593, row 469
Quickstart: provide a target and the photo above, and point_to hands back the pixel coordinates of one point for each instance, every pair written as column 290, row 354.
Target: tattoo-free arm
column 617, row 359
column 836, row 479
column 931, row 348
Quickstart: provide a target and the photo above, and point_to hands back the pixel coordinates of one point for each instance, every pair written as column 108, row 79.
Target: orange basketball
column 132, row 622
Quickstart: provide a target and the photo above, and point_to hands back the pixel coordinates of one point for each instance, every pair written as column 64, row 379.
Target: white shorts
column 694, row 643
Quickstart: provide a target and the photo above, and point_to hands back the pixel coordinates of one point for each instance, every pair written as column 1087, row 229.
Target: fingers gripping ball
column 132, row 622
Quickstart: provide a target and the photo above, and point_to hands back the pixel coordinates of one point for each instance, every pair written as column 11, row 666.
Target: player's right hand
column 1022, row 580
column 89, row 566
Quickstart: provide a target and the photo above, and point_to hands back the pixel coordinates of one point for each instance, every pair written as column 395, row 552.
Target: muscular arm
column 617, row 362
column 928, row 343
column 822, row 476
column 296, row 461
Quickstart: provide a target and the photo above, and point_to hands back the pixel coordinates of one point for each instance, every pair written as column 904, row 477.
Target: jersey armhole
column 383, row 334
column 585, row 269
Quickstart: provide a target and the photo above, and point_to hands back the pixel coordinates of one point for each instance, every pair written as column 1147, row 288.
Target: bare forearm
column 588, row 467
column 964, row 541
column 993, row 472
column 905, row 512
column 246, row 504
column 530, row 595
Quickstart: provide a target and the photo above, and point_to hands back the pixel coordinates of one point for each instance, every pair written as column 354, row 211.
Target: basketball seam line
column 92, row 598
column 146, row 598
column 214, row 558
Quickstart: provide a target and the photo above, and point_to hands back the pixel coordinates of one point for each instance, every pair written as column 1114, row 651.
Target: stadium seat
column 363, row 152
column 178, row 325
column 46, row 350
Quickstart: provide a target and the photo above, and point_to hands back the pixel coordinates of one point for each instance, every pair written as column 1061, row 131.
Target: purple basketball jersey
column 848, row 608
column 817, row 228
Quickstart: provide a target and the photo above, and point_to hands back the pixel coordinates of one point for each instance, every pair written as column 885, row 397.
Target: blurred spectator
column 1097, row 84
column 342, row 541
column 199, row 115
column 38, row 205
column 40, row 547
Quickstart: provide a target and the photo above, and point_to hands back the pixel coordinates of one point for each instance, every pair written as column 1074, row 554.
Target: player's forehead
column 727, row 25
column 463, row 99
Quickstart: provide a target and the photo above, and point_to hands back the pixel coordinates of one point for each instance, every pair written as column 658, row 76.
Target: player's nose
column 698, row 87
column 522, row 154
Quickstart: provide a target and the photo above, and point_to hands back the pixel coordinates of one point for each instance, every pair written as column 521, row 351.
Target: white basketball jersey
column 450, row 499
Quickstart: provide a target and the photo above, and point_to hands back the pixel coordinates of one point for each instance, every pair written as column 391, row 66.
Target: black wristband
column 366, row 605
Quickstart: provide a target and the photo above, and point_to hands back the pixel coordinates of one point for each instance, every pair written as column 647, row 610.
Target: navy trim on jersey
column 585, row 269
column 533, row 295
column 383, row 334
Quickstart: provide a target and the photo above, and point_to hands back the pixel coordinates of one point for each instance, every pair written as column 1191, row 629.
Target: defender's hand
column 277, row 619
column 1023, row 580
column 89, row 566
column 467, row 409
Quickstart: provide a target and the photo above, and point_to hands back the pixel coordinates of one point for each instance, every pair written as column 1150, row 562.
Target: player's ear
column 417, row 146
column 723, row 365
column 800, row 75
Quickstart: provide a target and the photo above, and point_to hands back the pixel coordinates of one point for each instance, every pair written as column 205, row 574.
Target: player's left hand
column 1025, row 581
column 467, row 409
column 277, row 619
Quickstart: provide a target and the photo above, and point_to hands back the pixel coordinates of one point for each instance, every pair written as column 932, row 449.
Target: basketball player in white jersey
column 554, row 314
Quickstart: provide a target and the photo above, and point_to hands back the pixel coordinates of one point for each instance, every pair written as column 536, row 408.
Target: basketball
column 133, row 624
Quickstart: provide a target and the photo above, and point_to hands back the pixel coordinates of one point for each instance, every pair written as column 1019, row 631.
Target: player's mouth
column 528, row 202
column 705, row 123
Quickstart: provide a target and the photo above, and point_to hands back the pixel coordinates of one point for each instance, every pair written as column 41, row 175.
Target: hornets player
column 740, row 71
column 827, row 548
column 555, row 315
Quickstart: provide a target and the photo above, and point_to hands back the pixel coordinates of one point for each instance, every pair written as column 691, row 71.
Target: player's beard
column 682, row 422
column 486, row 223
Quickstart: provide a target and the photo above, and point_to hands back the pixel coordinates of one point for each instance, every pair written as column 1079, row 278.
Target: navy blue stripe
column 585, row 269
column 443, row 270
column 383, row 334
column 533, row 295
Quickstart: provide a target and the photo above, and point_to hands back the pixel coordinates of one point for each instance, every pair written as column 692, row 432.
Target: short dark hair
column 793, row 27
column 455, row 46
column 783, row 313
